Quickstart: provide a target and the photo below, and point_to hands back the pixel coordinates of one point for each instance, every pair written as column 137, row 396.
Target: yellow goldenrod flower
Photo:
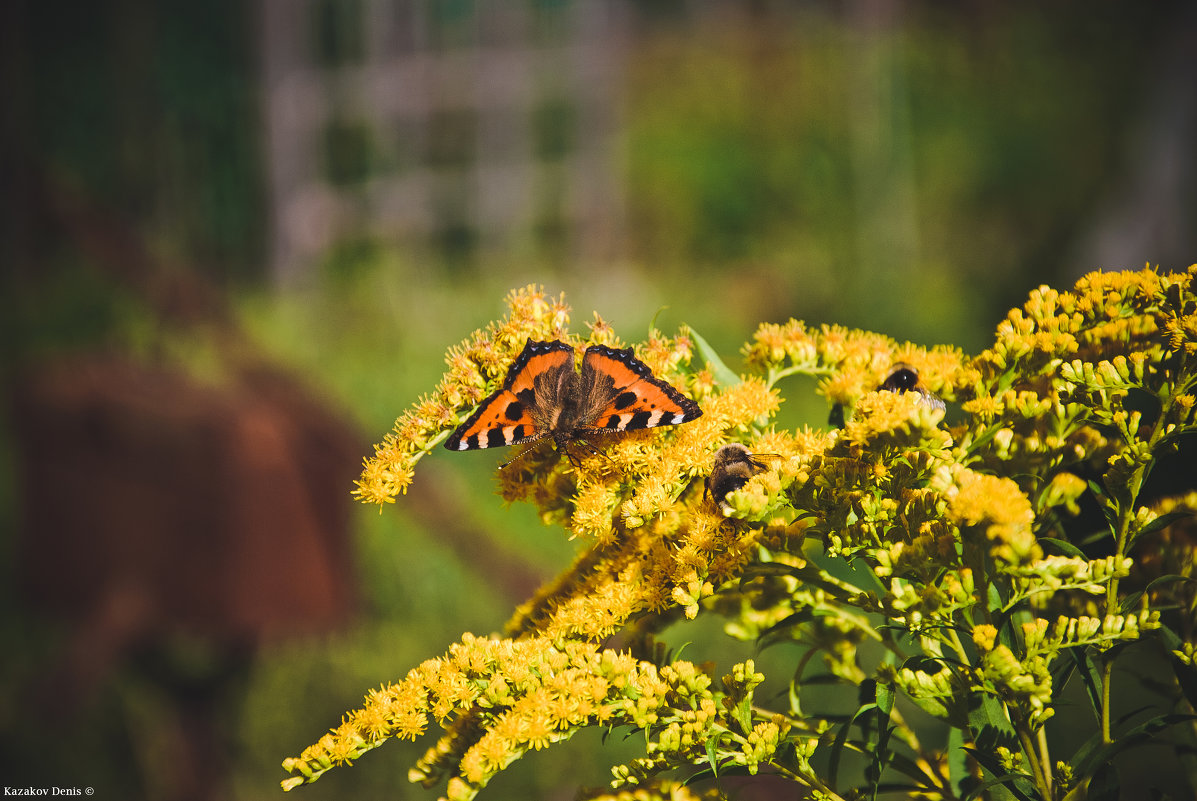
column 912, row 550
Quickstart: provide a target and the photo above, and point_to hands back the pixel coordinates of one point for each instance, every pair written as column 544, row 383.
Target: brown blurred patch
column 155, row 501
column 158, row 511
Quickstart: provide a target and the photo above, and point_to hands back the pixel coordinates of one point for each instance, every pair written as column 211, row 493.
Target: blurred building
column 459, row 128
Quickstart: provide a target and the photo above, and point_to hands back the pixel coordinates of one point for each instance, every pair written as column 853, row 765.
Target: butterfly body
column 733, row 466
column 543, row 396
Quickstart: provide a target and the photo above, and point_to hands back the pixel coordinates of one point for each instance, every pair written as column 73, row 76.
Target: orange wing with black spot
column 505, row 418
column 621, row 393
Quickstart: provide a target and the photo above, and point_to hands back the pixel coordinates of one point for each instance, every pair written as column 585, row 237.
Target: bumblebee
column 904, row 378
column 734, row 465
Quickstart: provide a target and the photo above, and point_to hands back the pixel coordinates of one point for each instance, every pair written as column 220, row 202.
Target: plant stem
column 1045, row 758
column 810, row 780
column 1038, row 770
column 1121, row 533
column 1107, row 671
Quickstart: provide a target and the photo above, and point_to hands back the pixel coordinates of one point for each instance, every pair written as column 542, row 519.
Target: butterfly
column 733, row 466
column 544, row 396
column 904, row 378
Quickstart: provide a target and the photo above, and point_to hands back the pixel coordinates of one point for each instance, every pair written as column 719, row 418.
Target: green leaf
column 993, row 597
column 1137, row 736
column 804, row 615
column 1096, row 536
column 712, row 745
column 837, row 750
column 808, row 575
column 881, row 753
column 1090, row 675
column 743, row 714
column 990, row 726
column 1186, row 677
column 906, row 790
column 1002, row 785
column 885, row 698
column 1131, row 602
column 1104, row 785
column 1131, row 713
column 723, row 374
column 958, row 771
column 792, row 694
column 1163, row 521
column 908, row 767
column 841, row 740
column 1061, row 547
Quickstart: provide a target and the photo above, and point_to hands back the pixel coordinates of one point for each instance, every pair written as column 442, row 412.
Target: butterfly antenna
column 595, row 450
column 517, row 457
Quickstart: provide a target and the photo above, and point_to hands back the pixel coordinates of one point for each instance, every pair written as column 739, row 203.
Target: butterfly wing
column 508, row 416
column 620, row 393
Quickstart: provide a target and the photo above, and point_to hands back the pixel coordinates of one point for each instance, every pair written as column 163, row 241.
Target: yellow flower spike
column 1064, row 490
column 593, row 507
column 460, row 790
column 985, row 636
column 773, row 344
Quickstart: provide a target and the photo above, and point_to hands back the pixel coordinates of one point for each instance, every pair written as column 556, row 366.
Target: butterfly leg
column 593, row 449
column 573, row 460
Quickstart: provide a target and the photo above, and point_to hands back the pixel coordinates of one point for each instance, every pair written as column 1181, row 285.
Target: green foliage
column 853, row 162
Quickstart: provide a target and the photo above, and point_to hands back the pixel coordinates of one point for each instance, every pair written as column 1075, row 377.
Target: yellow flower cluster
column 1041, row 637
column 1025, row 683
column 941, row 693
column 996, row 506
column 1066, row 360
column 895, row 420
column 892, row 527
column 705, row 726
column 639, row 477
column 505, row 697
column 502, row 698
column 852, row 362
column 1169, row 550
column 1026, row 680
column 1053, row 575
column 649, row 568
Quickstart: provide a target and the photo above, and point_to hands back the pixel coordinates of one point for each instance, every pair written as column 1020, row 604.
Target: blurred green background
column 240, row 236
